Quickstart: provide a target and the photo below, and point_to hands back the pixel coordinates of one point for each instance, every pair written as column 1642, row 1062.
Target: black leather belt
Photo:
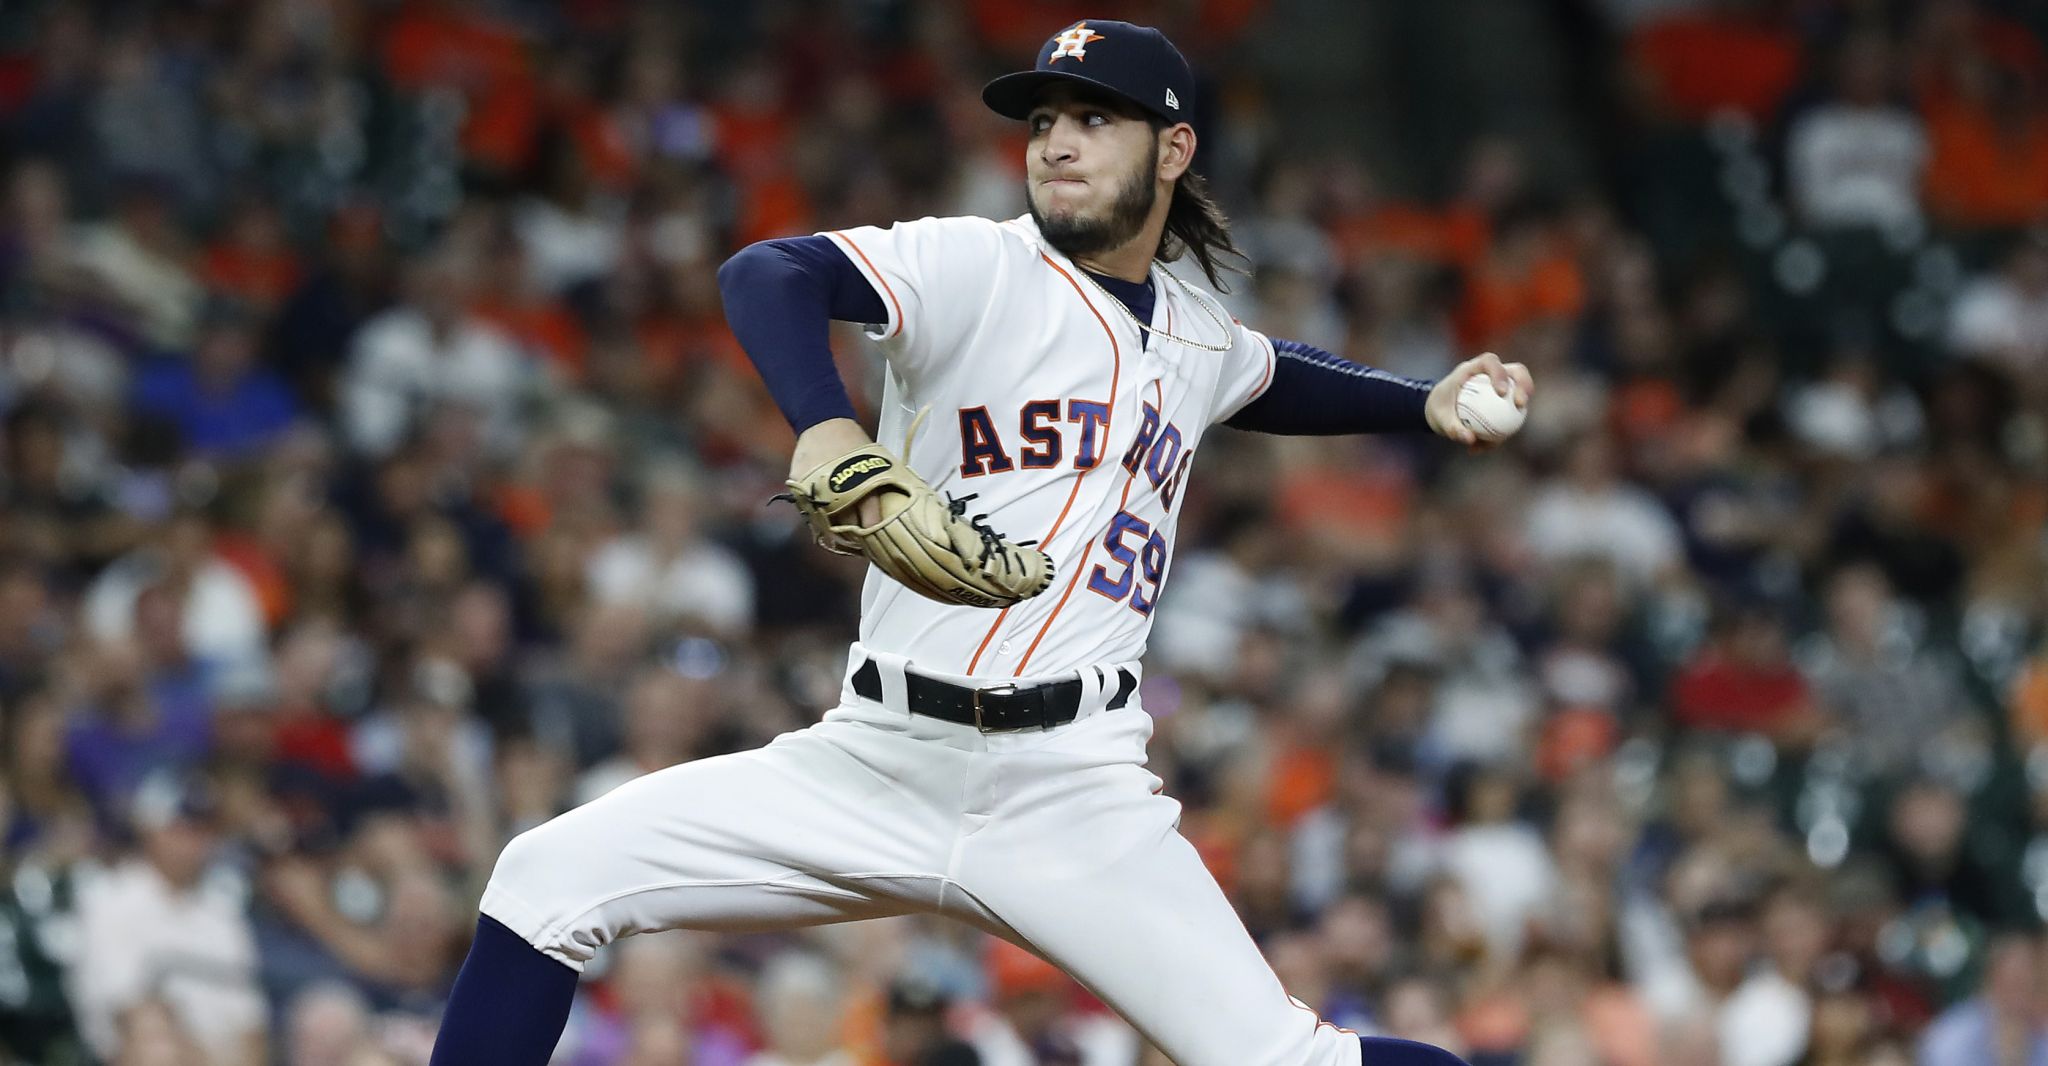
column 1002, row 709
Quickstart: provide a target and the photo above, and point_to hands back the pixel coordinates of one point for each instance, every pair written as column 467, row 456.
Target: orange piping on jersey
column 879, row 279
column 1159, row 395
column 1116, row 370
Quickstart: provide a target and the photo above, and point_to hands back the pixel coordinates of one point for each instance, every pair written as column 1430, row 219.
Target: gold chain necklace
column 1144, row 329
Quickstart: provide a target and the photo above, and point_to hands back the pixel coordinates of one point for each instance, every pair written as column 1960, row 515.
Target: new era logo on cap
column 1172, row 101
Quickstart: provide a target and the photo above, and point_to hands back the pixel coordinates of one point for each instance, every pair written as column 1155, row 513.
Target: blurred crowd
column 378, row 479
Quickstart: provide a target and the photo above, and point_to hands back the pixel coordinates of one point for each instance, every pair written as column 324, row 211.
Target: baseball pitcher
column 1050, row 382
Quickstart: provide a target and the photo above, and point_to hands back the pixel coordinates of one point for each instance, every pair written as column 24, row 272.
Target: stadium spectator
column 668, row 567
column 1591, row 511
column 666, row 719
column 2001, row 1022
column 2002, row 318
column 915, row 1033
column 802, row 1009
column 328, row 1026
column 178, row 593
column 351, row 279
column 576, row 703
column 141, row 257
column 1500, row 862
column 1857, row 160
column 511, row 299
column 1761, row 1018
column 252, row 260
column 428, row 356
column 1031, row 1024
column 1743, row 680
column 1872, row 672
column 60, row 514
column 164, row 930
column 219, row 399
column 1935, row 861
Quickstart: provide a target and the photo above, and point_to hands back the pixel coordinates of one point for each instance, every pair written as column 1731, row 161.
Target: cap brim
column 1014, row 95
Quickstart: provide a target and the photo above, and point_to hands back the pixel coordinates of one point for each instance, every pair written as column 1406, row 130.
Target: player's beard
column 1075, row 236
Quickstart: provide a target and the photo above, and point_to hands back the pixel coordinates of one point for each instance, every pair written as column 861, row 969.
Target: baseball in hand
column 1489, row 415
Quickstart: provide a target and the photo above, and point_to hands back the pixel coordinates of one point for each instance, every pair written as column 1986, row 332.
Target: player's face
column 1091, row 171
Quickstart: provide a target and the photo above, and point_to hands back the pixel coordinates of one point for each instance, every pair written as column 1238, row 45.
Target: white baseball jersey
column 1048, row 406
column 1067, row 423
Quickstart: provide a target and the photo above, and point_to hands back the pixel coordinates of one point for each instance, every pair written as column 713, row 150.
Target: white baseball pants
column 1052, row 839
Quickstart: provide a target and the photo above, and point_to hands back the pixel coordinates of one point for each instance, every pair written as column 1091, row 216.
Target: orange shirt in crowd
column 862, row 1026
column 522, row 507
column 606, row 153
column 1215, row 840
column 749, row 139
column 427, row 47
column 1364, row 507
column 1702, row 63
column 751, row 145
column 1456, row 235
column 1980, row 175
column 1613, row 1018
column 2030, row 703
column 773, row 206
column 1406, row 229
column 737, row 416
column 1644, row 409
column 1467, row 233
column 672, row 342
column 260, row 276
column 1498, row 302
column 546, row 327
column 260, row 568
column 1574, row 738
column 1301, row 779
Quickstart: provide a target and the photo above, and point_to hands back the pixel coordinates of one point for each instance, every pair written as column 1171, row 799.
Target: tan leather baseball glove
column 927, row 543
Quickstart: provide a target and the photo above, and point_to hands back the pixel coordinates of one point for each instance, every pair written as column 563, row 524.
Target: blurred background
column 378, row 479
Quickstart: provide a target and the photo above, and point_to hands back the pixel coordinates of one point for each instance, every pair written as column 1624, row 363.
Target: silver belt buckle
column 1007, row 688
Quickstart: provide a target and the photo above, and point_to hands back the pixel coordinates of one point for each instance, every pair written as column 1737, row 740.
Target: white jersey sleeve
column 1247, row 371
column 935, row 277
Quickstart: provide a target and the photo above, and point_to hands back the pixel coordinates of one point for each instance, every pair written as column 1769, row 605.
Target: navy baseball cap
column 1136, row 63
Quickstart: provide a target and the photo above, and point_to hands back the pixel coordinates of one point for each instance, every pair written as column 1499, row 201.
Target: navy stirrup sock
column 1387, row 1051
column 509, row 1004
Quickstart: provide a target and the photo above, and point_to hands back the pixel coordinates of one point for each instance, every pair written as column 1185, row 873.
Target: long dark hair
column 1197, row 226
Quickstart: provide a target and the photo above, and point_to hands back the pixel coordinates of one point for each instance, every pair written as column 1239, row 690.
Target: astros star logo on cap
column 1074, row 42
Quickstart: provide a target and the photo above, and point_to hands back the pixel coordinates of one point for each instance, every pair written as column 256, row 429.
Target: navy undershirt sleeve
column 780, row 299
column 1315, row 393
